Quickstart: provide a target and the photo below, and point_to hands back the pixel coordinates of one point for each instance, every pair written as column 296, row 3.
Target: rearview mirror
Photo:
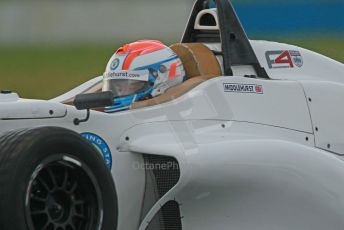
column 93, row 100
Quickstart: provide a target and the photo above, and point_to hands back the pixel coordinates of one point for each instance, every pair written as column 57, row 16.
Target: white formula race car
column 254, row 139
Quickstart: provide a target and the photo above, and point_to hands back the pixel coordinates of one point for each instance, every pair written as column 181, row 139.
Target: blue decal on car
column 101, row 146
column 115, row 63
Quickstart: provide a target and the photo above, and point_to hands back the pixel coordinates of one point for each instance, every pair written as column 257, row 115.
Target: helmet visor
column 125, row 83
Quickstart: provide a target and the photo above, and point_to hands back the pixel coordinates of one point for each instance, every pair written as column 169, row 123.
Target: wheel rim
column 63, row 194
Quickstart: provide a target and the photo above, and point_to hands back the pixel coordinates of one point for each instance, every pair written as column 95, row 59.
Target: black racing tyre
column 52, row 179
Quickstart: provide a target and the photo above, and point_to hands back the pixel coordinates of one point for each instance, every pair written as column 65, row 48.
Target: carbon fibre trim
column 168, row 218
column 162, row 174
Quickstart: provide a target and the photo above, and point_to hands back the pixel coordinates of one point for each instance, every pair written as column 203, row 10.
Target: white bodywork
column 269, row 160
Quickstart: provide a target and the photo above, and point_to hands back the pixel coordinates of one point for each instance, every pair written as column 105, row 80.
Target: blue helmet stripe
column 156, row 65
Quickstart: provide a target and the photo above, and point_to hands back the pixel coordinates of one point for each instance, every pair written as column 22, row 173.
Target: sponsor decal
column 284, row 59
column 101, row 146
column 115, row 63
column 139, row 75
column 297, row 58
column 243, row 88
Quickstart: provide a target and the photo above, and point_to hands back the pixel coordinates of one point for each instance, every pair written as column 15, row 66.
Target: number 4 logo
column 280, row 59
column 285, row 58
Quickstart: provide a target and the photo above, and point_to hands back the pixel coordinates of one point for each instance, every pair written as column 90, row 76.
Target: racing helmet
column 141, row 70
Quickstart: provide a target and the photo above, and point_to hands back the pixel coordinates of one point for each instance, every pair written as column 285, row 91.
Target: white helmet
column 141, row 70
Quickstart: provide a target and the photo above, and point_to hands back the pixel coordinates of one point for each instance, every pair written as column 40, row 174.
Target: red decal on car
column 284, row 58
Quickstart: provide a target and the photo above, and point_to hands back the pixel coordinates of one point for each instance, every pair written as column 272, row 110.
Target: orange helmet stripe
column 173, row 71
column 138, row 48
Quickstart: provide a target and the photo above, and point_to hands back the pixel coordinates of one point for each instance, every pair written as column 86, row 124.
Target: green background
column 47, row 71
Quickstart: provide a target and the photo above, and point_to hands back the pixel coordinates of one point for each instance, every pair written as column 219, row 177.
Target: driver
column 139, row 71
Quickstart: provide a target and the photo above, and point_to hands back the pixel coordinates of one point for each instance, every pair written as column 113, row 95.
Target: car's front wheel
column 52, row 179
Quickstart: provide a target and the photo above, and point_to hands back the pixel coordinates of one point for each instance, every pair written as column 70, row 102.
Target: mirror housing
column 93, row 100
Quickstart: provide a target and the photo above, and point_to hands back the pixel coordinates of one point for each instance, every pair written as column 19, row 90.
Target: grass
column 45, row 72
column 333, row 48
